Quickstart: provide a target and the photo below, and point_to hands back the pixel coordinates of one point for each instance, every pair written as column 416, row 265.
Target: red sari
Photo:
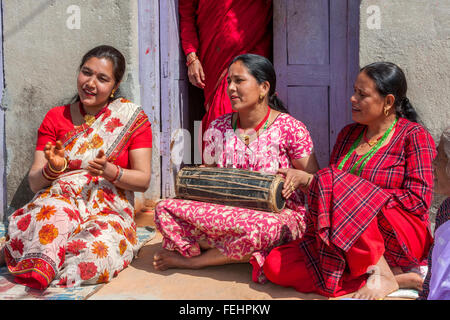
column 218, row 31
column 352, row 221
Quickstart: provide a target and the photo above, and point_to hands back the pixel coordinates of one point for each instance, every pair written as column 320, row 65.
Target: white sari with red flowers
column 81, row 228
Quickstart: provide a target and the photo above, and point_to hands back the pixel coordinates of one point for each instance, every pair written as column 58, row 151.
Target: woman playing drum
column 260, row 136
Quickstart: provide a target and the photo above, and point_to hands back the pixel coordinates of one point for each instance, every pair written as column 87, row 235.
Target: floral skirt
column 235, row 232
column 52, row 238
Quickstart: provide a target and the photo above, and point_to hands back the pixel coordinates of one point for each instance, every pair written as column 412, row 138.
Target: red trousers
column 287, row 267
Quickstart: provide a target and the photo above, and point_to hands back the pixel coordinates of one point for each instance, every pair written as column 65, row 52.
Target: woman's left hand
column 98, row 166
column 293, row 180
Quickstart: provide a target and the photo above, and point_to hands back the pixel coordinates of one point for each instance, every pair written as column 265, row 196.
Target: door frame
column 3, row 185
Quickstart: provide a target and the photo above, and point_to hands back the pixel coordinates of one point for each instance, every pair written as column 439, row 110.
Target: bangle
column 191, row 61
column 56, row 171
column 47, row 175
column 118, row 175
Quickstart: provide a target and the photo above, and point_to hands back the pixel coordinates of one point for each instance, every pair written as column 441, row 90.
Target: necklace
column 246, row 137
column 89, row 118
column 372, row 142
column 366, row 157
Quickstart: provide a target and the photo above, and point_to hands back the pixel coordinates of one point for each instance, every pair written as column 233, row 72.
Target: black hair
column 113, row 55
column 262, row 70
column 390, row 79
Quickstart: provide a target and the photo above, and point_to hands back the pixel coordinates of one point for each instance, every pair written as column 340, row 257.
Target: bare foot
column 409, row 280
column 165, row 259
column 379, row 284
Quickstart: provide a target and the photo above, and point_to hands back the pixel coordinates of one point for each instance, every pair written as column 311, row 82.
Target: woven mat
column 9, row 290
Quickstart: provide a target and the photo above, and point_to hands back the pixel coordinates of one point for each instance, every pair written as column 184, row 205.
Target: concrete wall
column 44, row 41
column 414, row 34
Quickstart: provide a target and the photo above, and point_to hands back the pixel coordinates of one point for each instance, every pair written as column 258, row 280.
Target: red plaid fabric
column 342, row 205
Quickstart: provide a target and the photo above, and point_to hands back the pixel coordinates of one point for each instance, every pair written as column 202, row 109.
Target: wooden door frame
column 3, row 185
column 149, row 79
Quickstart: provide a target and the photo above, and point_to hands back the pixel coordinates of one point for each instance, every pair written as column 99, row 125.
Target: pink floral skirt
column 235, row 232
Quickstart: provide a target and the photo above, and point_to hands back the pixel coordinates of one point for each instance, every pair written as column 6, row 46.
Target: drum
column 231, row 187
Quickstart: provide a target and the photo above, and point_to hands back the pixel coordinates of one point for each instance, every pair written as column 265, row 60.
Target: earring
column 261, row 97
column 386, row 112
column 112, row 94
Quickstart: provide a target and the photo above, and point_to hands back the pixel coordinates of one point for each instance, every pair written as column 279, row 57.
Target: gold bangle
column 46, row 176
column 191, row 61
column 56, row 171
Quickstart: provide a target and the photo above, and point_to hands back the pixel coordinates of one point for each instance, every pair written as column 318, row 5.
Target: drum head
column 279, row 200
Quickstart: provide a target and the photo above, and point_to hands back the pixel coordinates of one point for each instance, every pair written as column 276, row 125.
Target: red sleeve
column 416, row 193
column 142, row 138
column 47, row 131
column 57, row 122
column 188, row 26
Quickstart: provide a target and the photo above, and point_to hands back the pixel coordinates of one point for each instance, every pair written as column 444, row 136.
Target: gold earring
column 261, row 97
column 112, row 94
column 386, row 112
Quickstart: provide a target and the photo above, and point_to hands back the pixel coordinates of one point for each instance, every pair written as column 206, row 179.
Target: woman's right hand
column 196, row 74
column 55, row 155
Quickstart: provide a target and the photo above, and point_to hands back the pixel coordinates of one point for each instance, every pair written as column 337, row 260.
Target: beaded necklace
column 366, row 157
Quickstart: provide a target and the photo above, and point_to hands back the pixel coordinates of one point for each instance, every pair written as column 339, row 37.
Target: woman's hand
column 196, row 74
column 55, row 155
column 294, row 178
column 99, row 165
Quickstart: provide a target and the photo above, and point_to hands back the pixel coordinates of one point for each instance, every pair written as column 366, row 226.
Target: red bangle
column 48, row 175
column 117, row 174
column 191, row 61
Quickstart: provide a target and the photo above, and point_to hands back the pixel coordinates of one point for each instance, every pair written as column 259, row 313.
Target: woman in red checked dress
column 367, row 223
column 90, row 157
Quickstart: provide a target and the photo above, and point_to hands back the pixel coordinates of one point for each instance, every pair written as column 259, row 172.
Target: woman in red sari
column 212, row 34
column 367, row 223
column 90, row 157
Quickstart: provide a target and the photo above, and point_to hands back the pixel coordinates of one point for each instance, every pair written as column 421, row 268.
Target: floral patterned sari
column 80, row 229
